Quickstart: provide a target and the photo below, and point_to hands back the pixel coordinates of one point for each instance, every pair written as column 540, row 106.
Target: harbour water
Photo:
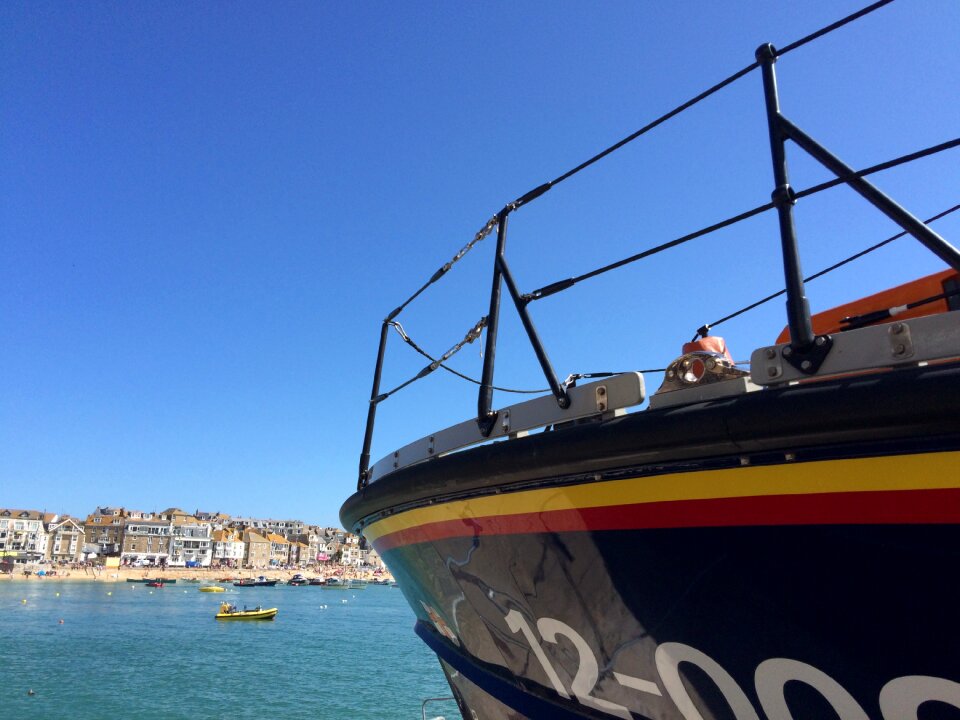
column 126, row 650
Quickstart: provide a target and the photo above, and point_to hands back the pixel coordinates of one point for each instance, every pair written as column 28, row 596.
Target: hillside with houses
column 173, row 538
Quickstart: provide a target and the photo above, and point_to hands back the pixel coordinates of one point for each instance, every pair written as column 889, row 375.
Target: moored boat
column 211, row 589
column 259, row 581
column 734, row 549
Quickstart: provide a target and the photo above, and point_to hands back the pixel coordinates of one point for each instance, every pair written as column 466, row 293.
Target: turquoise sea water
column 137, row 654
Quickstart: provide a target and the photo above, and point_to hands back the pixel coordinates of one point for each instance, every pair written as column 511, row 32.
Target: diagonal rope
column 541, row 189
column 481, row 234
column 407, row 339
column 823, row 272
column 560, row 285
column 833, row 26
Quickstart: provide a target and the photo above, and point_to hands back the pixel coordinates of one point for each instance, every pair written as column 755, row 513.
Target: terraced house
column 23, row 537
column 65, row 540
column 228, row 548
column 146, row 541
column 192, row 543
column 103, row 531
column 279, row 549
column 257, row 549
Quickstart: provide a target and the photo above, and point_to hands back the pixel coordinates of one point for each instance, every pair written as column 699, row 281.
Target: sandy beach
column 208, row 575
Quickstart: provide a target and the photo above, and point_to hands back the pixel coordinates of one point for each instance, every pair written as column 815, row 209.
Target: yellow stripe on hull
column 929, row 471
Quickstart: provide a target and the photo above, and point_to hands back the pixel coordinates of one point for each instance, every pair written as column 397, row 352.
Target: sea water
column 125, row 650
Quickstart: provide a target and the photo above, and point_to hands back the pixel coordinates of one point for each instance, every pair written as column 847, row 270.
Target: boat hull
column 637, row 601
column 268, row 614
column 804, row 579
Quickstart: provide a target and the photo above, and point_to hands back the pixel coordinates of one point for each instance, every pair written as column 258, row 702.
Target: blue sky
column 206, row 210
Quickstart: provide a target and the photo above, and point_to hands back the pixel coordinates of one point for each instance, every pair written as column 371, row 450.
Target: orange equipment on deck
column 895, row 300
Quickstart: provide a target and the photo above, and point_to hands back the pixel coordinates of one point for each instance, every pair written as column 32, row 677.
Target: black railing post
column 913, row 225
column 798, row 309
column 486, row 416
column 558, row 390
column 372, row 409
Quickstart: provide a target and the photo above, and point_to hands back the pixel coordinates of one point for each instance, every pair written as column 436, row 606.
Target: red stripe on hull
column 902, row 507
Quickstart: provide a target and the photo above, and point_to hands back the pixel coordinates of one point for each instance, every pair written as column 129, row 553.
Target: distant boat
column 261, row 581
column 166, row 581
column 155, row 583
column 212, row 588
column 298, row 579
column 318, row 581
column 230, row 612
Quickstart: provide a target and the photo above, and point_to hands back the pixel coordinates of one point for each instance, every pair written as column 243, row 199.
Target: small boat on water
column 317, row 581
column 334, row 583
column 147, row 580
column 259, row 581
column 768, row 539
column 211, row 589
column 297, row 580
column 155, row 584
column 231, row 612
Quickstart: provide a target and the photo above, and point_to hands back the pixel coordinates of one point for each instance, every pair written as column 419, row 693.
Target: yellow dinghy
column 212, row 588
column 230, row 612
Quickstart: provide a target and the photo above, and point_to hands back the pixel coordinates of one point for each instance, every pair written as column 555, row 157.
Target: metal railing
column 806, row 351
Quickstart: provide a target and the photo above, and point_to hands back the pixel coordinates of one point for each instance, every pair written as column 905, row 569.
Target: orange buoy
column 710, row 344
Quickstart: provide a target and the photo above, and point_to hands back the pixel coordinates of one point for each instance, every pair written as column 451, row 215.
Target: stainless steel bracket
column 904, row 342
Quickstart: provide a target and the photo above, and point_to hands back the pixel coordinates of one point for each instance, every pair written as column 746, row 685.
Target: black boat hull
column 811, row 580
column 735, row 612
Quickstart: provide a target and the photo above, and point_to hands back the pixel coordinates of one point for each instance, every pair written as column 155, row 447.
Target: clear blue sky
column 206, row 209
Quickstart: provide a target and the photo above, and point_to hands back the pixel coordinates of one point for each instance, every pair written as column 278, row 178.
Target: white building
column 352, row 555
column 227, row 548
column 23, row 537
column 191, row 543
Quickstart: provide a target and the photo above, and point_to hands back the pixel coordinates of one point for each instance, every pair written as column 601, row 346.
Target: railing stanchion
column 372, row 410
column 486, row 416
column 558, row 390
column 798, row 309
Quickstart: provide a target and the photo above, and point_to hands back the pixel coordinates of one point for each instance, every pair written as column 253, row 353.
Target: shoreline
column 203, row 575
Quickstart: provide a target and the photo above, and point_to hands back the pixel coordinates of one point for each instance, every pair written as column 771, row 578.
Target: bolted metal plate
column 607, row 397
column 904, row 342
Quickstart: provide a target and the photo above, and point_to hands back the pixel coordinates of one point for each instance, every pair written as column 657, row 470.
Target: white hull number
column 900, row 699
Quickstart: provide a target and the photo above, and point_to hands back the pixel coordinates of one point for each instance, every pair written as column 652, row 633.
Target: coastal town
column 34, row 542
